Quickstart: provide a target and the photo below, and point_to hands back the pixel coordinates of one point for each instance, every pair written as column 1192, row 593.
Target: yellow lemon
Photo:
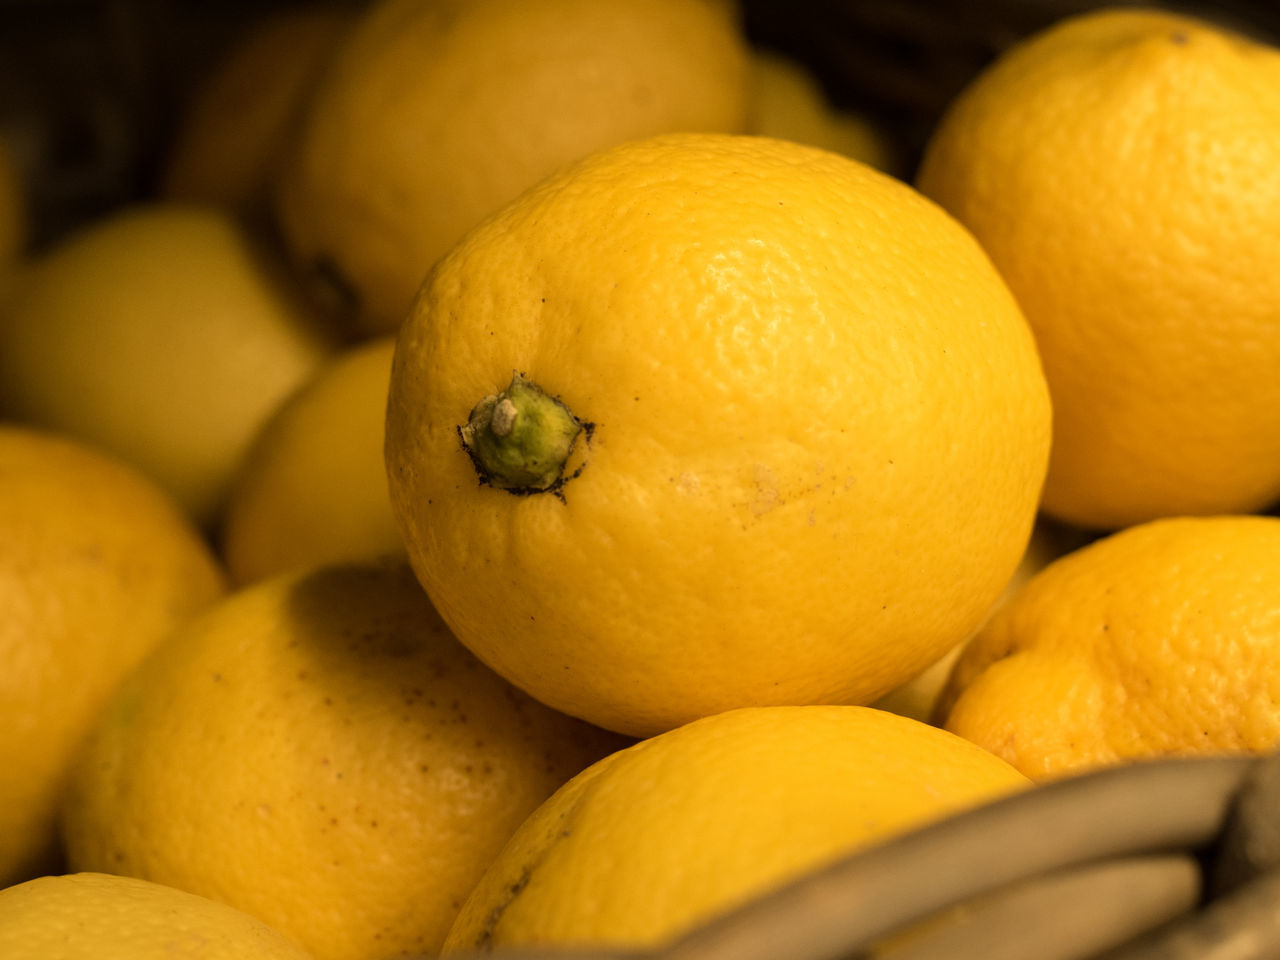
column 163, row 334
column 1122, row 168
column 1161, row 639
column 787, row 101
column 97, row 566
column 231, row 135
column 434, row 113
column 313, row 488
column 657, row 838
column 776, row 433
column 96, row 916
column 918, row 697
column 319, row 752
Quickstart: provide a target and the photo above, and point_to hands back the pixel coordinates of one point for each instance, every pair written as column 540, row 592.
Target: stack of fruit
column 541, row 473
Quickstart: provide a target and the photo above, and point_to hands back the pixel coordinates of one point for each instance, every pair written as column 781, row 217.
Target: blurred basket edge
column 90, row 89
column 1154, row 859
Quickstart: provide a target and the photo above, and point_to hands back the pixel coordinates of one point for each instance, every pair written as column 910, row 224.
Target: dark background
column 89, row 90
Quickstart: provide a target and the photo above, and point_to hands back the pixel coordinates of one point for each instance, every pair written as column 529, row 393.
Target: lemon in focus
column 709, row 421
column 96, row 916
column 434, row 113
column 1122, row 168
column 97, row 566
column 163, row 334
column 657, row 838
column 313, row 488
column 1161, row 639
column 319, row 752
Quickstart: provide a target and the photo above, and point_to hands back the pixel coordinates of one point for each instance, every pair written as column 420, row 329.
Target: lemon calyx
column 520, row 439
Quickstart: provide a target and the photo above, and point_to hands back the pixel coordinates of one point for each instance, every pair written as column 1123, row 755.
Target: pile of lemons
column 543, row 472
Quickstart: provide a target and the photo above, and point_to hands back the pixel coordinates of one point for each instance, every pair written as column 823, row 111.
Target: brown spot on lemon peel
column 520, row 440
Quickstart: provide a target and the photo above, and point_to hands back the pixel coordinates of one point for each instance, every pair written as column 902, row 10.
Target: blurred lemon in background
column 434, row 113
column 96, row 916
column 788, row 101
column 319, row 752
column 163, row 334
column 231, row 135
column 313, row 487
column 97, row 566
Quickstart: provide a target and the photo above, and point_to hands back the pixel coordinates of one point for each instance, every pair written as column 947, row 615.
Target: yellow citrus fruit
column 163, row 334
column 97, row 916
column 787, row 101
column 313, row 488
column 657, row 838
column 764, row 354
column 1123, row 170
column 97, row 566
column 1161, row 639
column 319, row 752
column 918, row 697
column 231, row 135
column 434, row 113
column 13, row 208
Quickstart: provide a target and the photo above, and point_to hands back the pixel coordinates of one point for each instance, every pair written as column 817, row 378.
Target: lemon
column 319, row 752
column 231, row 135
column 313, row 488
column 163, row 334
column 1122, row 168
column 919, row 696
column 434, row 113
column 1161, row 639
column 655, row 839
column 788, row 102
column 96, row 916
column 97, row 566
column 776, row 433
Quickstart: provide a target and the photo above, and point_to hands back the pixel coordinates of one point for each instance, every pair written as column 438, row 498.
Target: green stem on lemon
column 520, row 439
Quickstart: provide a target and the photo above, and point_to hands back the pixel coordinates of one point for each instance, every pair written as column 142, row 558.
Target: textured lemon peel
column 520, row 440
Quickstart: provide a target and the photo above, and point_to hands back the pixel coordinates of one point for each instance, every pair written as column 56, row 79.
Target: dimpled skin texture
column 94, row 916
column 1123, row 171
column 435, row 113
column 319, row 752
column 1161, row 639
column 97, row 566
column 820, row 430
column 659, row 837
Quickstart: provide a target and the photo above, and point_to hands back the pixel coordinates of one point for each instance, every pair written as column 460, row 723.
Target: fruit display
column 646, row 479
